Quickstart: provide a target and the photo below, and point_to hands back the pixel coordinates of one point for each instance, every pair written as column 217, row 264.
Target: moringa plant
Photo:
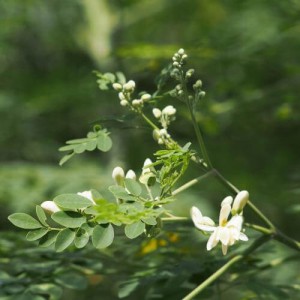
column 138, row 202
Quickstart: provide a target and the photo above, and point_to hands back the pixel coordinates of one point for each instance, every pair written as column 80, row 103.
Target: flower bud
column 239, row 202
column 146, row 97
column 87, row 195
column 169, row 110
column 180, row 51
column 129, row 86
column 136, row 102
column 184, row 56
column 156, row 112
column 124, row 102
column 121, row 96
column 175, row 64
column 117, row 86
column 189, row 73
column 131, row 175
column 118, row 175
column 156, row 134
column 50, row 207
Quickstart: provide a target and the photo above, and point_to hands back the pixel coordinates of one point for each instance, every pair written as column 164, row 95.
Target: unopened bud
column 181, row 51
column 136, row 102
column 175, row 64
column 131, row 175
column 50, row 207
column 129, row 86
column 239, row 202
column 169, row 110
column 87, row 195
column 156, row 112
column 124, row 102
column 118, row 175
column 117, row 86
column 122, row 96
column 146, row 97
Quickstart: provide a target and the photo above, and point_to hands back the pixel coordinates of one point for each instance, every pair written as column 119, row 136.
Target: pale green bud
column 146, row 97
column 118, row 175
column 180, row 51
column 156, row 113
column 239, row 202
column 117, row 86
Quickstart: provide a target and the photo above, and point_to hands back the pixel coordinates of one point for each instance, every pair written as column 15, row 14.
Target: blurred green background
column 245, row 52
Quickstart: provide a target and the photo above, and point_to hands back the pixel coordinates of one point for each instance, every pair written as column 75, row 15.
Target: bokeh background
column 245, row 52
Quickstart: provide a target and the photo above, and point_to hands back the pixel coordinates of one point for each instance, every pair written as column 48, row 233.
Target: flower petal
column 236, row 222
column 224, row 249
column 228, row 200
column 196, row 214
column 212, row 241
column 243, row 237
column 224, row 235
column 224, row 213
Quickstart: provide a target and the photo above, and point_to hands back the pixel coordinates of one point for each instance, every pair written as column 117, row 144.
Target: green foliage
column 107, row 79
column 72, row 201
column 24, row 221
column 95, row 139
column 135, row 229
column 103, row 236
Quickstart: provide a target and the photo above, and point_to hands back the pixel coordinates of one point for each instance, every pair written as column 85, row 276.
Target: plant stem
column 282, row 238
column 194, row 121
column 191, row 183
column 257, row 243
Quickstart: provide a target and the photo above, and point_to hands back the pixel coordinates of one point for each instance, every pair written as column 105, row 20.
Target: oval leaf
column 68, row 219
column 41, row 215
column 72, row 201
column 135, row 229
column 104, row 143
column 102, row 236
column 36, row 234
column 81, row 240
column 48, row 239
column 64, row 239
column 133, row 187
column 24, row 221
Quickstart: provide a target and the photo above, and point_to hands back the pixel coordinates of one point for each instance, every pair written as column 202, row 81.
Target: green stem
column 190, row 183
column 257, row 243
column 148, row 121
column 195, row 124
column 259, row 228
column 282, row 238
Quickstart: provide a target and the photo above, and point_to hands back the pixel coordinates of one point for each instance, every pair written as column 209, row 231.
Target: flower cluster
column 179, row 58
column 164, row 117
column 125, row 95
column 228, row 232
column 147, row 177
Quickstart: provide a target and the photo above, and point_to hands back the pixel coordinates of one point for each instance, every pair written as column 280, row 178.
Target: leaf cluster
column 97, row 139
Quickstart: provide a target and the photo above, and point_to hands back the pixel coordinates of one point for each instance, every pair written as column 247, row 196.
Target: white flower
column 87, row 195
column 228, row 232
column 118, row 175
column 147, row 177
column 50, row 207
column 239, row 202
column 131, row 175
